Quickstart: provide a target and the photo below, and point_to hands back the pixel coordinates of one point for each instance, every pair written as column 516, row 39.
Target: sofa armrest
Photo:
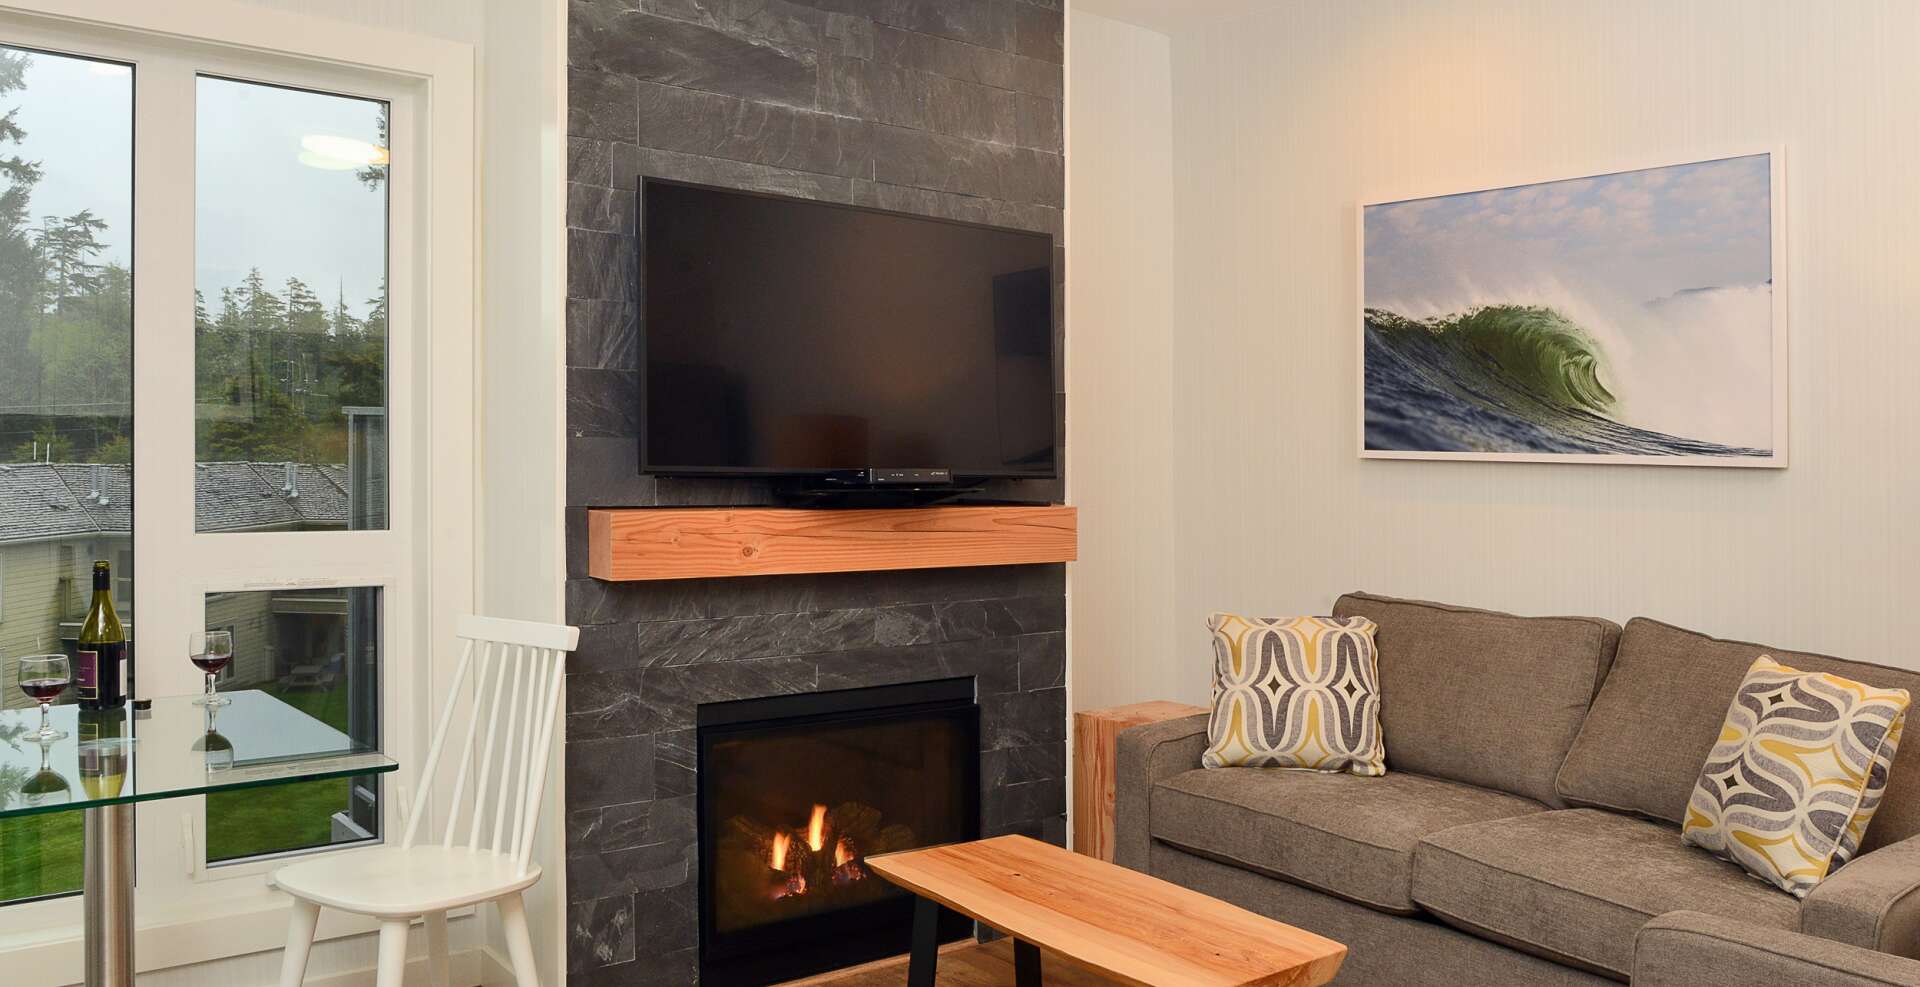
column 1873, row 902
column 1689, row 949
column 1145, row 755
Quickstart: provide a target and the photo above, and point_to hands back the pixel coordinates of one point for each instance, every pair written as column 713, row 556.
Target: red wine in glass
column 210, row 663
column 43, row 690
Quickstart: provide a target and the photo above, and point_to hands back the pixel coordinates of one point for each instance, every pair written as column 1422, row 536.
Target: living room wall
column 1285, row 118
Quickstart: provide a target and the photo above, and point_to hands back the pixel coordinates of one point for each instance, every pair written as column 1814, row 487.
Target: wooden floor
column 963, row 965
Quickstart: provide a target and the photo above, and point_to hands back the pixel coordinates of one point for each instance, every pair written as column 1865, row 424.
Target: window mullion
column 163, row 428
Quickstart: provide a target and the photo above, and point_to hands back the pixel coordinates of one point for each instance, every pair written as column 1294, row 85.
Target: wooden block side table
column 1096, row 737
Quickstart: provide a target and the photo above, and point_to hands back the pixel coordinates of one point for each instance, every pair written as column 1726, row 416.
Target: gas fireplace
column 795, row 793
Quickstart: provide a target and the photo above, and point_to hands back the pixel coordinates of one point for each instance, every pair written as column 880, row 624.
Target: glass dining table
column 109, row 760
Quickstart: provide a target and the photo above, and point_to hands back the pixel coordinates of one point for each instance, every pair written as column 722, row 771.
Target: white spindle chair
column 517, row 660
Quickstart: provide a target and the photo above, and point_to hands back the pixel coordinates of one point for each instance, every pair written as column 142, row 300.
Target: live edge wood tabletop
column 1120, row 923
column 1096, row 735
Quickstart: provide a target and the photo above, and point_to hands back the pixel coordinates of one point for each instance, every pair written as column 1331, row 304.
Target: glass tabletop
column 174, row 749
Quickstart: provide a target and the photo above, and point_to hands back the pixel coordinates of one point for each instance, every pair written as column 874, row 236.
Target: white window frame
column 185, row 911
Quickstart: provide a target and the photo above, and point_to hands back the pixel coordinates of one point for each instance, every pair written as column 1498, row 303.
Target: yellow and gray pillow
column 1295, row 692
column 1796, row 775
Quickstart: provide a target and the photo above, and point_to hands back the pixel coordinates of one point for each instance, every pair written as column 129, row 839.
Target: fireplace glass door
column 796, row 792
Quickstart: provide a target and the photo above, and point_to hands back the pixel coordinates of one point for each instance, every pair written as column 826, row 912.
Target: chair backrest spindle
column 527, row 663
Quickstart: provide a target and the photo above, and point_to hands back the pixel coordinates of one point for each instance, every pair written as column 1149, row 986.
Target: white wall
column 1284, row 119
column 1120, row 370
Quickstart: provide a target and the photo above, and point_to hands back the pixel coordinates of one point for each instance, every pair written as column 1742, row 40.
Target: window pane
column 290, row 315
column 318, row 651
column 66, row 388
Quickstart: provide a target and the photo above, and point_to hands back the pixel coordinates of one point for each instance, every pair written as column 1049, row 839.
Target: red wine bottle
column 100, row 667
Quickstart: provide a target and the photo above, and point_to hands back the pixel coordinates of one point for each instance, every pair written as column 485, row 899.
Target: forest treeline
column 273, row 363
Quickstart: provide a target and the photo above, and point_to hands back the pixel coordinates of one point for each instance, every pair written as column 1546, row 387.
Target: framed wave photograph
column 1636, row 316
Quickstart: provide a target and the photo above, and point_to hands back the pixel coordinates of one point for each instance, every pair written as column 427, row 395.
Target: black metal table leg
column 1026, row 964
column 926, row 943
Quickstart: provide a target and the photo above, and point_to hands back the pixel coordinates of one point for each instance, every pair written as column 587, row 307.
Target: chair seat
column 396, row 883
column 1575, row 886
column 1348, row 836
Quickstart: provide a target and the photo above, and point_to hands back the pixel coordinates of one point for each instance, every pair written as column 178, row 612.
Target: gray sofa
column 1527, row 830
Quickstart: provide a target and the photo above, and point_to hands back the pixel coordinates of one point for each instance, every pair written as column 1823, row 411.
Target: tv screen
column 790, row 337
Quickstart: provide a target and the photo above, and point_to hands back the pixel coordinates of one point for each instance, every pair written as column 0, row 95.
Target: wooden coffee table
column 1120, row 923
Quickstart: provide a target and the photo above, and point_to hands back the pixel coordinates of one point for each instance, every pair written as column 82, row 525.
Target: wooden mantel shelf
column 702, row 542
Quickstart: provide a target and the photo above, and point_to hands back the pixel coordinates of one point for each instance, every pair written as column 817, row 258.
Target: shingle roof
column 66, row 500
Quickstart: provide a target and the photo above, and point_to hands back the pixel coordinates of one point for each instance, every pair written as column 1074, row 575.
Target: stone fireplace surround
column 651, row 653
column 948, row 108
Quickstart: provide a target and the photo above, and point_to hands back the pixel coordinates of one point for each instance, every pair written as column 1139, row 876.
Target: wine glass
column 43, row 678
column 210, row 651
column 46, row 786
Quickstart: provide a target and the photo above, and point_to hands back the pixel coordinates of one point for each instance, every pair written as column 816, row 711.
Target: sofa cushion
column 1485, row 698
column 1294, row 692
column 1576, row 885
column 1348, row 836
column 1660, row 711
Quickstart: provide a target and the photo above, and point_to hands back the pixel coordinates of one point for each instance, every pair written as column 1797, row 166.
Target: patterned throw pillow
column 1301, row 692
column 1796, row 775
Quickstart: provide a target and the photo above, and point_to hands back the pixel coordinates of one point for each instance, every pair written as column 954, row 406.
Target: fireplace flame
column 842, row 852
column 817, row 829
column 778, row 859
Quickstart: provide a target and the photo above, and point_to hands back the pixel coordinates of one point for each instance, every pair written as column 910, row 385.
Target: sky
column 1623, row 255
column 1633, row 236
column 256, row 203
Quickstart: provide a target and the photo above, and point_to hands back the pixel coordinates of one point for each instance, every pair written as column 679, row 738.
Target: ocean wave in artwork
column 1504, row 378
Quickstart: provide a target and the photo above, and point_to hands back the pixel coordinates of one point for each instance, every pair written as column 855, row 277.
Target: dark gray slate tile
column 601, row 705
column 968, row 63
column 989, row 23
column 599, row 105
column 719, row 640
column 649, row 867
column 1030, row 802
column 606, row 772
column 599, row 933
column 1023, row 765
column 951, row 164
column 597, row 207
column 1037, row 33
column 790, row 594
column 675, row 763
column 589, row 161
column 629, row 161
column 604, row 471
column 674, row 692
column 712, row 125
column 691, row 55
column 1023, row 719
column 600, row 265
column 967, row 208
column 576, row 521
column 604, row 648
column 991, row 664
column 909, row 625
column 1036, row 122
column 777, row 21
column 891, row 94
column 612, row 827
column 852, row 34
column 603, row 402
column 1043, row 661
column 683, row 492
column 602, row 334
column 594, row 601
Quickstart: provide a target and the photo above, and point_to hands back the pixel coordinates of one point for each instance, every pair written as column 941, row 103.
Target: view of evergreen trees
column 274, row 363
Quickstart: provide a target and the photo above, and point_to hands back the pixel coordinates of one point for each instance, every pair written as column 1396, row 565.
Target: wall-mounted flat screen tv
column 786, row 337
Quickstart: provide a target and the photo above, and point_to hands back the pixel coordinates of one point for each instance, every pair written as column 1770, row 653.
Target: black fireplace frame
column 796, row 949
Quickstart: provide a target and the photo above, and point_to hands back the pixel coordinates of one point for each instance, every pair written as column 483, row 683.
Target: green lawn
column 40, row 855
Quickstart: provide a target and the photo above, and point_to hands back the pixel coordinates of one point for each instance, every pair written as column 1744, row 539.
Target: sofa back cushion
column 1660, row 712
column 1481, row 697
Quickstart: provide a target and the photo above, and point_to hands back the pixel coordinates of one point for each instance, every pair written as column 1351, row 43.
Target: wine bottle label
column 86, row 673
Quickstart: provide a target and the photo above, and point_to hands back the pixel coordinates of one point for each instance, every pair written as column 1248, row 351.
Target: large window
column 66, row 386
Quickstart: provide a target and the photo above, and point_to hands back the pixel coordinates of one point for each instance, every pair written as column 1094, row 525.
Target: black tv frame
column 830, row 478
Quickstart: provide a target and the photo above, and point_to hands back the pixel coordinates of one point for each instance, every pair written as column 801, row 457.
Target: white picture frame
column 1776, row 454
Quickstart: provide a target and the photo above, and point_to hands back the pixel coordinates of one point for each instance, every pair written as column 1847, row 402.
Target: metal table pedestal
column 109, row 895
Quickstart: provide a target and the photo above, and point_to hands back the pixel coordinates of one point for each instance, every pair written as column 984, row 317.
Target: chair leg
column 293, row 963
column 439, row 974
column 393, row 953
column 513, row 918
